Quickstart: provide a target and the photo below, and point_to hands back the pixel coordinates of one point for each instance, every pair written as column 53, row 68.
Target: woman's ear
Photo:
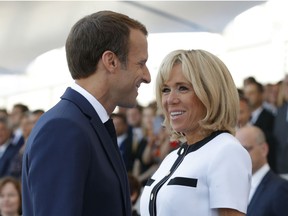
column 110, row 60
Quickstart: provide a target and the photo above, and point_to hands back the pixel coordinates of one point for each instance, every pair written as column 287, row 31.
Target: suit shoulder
column 275, row 182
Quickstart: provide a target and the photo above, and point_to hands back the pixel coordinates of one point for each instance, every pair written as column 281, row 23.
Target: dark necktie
column 111, row 130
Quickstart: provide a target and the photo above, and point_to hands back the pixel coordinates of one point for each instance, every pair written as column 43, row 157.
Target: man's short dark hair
column 22, row 107
column 94, row 34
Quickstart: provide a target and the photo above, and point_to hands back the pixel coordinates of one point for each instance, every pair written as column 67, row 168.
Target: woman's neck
column 196, row 137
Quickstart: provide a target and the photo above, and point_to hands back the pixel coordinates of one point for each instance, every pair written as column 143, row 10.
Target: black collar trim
column 199, row 144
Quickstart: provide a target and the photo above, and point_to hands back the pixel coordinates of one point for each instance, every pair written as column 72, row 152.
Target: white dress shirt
column 93, row 101
column 121, row 138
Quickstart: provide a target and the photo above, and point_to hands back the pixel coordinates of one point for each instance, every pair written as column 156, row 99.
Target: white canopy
column 29, row 29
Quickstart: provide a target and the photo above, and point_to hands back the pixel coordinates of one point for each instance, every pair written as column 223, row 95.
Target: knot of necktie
column 111, row 130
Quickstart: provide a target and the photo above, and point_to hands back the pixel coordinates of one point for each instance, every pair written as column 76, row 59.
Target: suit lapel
column 112, row 151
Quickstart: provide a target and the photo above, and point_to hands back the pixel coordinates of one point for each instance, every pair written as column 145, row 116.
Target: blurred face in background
column 271, row 93
column 16, row 116
column 26, row 126
column 257, row 147
column 120, row 126
column 148, row 117
column 5, row 133
column 34, row 117
column 134, row 117
column 9, row 199
column 254, row 96
column 244, row 113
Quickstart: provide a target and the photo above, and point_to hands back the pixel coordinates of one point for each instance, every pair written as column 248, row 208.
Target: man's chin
column 130, row 104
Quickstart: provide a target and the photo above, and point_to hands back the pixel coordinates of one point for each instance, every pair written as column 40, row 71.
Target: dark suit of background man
column 281, row 132
column 269, row 192
column 72, row 167
column 261, row 117
column 124, row 138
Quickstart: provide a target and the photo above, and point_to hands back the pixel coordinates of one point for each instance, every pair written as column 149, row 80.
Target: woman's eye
column 183, row 88
column 165, row 90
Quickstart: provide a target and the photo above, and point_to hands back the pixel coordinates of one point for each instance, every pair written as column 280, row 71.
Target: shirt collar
column 121, row 138
column 255, row 114
column 93, row 101
column 259, row 174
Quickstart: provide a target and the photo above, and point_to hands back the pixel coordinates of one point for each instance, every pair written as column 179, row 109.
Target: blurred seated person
column 244, row 116
column 3, row 113
column 270, row 97
column 35, row 115
column 8, row 149
column 26, row 125
column 135, row 130
column 135, row 190
column 134, row 119
column 262, row 118
column 143, row 170
column 156, row 150
column 10, row 197
column 124, row 139
column 269, row 192
column 16, row 115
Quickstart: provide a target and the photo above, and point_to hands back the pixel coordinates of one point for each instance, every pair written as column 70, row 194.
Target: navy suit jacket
column 71, row 167
column 126, row 152
column 270, row 198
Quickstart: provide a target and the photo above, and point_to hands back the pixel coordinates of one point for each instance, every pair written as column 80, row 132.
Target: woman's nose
column 172, row 98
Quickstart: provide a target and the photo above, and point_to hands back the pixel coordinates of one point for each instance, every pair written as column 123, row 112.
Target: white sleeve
column 229, row 177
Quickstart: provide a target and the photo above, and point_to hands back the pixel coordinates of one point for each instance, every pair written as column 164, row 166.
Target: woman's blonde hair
column 212, row 83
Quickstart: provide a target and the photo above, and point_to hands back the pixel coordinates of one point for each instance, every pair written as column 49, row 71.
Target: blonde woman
column 210, row 173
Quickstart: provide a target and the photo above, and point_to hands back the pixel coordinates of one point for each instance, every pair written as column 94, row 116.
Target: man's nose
column 146, row 75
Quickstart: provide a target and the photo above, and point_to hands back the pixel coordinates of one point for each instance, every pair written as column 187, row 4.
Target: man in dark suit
column 269, row 192
column 124, row 138
column 261, row 117
column 17, row 113
column 8, row 149
column 72, row 165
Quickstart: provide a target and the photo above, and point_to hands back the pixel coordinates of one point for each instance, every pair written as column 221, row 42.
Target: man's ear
column 265, row 149
column 110, row 60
